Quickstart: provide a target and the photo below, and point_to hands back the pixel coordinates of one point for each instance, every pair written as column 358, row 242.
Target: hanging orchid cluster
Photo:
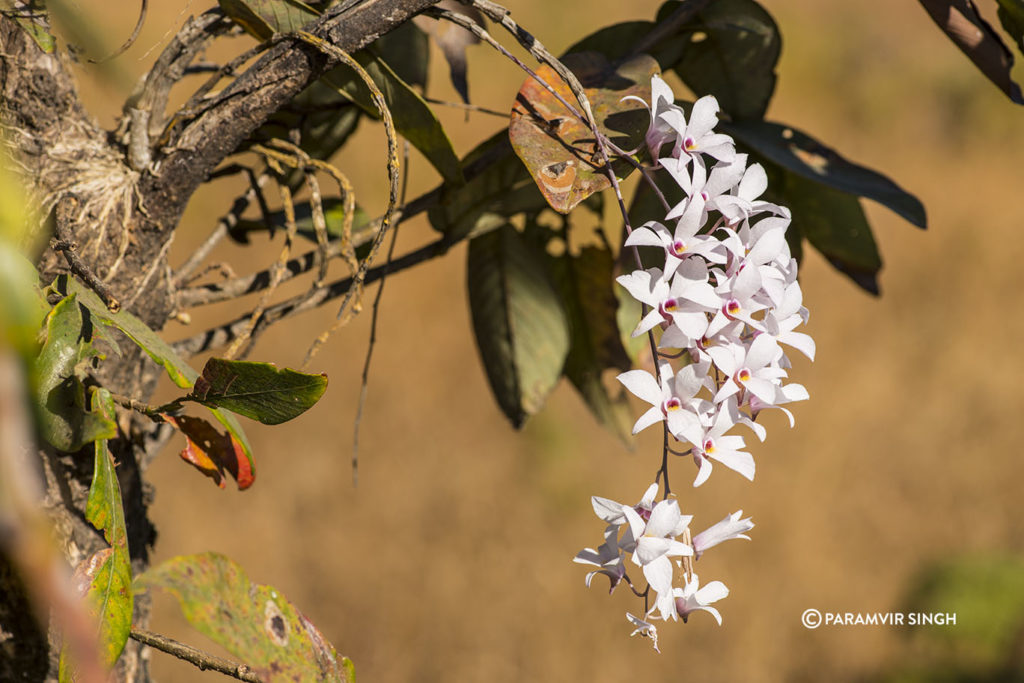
column 722, row 306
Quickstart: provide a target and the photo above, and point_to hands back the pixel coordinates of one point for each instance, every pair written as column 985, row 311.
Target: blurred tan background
column 451, row 559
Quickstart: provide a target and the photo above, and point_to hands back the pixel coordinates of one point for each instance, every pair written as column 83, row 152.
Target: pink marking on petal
column 731, row 308
column 742, row 375
column 678, row 248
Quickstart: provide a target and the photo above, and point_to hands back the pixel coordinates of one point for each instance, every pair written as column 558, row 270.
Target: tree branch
column 215, row 292
column 223, row 334
column 204, row 661
column 195, row 149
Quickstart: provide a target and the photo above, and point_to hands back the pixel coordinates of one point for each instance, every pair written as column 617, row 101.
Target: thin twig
column 277, row 272
column 171, row 65
column 198, row 102
column 150, row 411
column 84, row 272
column 157, row 262
column 223, row 334
column 302, row 161
column 345, row 311
column 476, row 29
column 131, row 39
column 224, row 225
column 365, row 382
column 202, row 660
column 211, row 293
column 467, row 106
column 80, row 268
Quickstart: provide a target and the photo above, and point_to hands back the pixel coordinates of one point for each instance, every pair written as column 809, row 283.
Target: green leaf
column 490, row 196
column 557, row 148
column 1011, row 16
column 58, row 371
column 103, row 508
column 834, row 223
column 615, row 41
column 180, row 372
column 136, row 330
column 521, row 329
column 406, row 49
column 22, row 307
column 412, row 116
column 585, row 284
column 619, row 40
column 259, row 391
column 107, row 574
column 32, row 21
column 805, row 156
column 264, row 18
column 254, row 622
column 732, row 51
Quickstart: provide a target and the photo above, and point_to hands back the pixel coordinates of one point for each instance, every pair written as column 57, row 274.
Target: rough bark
column 120, row 202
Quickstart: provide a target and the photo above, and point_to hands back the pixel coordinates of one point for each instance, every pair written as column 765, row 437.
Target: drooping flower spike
column 723, row 305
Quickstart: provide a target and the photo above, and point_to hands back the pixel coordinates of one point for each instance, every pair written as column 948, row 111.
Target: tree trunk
column 119, row 200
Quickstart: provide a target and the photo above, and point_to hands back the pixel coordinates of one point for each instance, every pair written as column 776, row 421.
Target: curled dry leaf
column 211, row 452
column 453, row 41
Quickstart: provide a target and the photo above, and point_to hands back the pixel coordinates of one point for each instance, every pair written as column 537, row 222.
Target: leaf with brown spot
column 558, row 149
column 255, row 623
column 211, row 452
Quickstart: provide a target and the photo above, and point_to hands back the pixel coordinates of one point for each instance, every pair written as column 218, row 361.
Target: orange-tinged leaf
column 211, row 452
column 558, row 149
